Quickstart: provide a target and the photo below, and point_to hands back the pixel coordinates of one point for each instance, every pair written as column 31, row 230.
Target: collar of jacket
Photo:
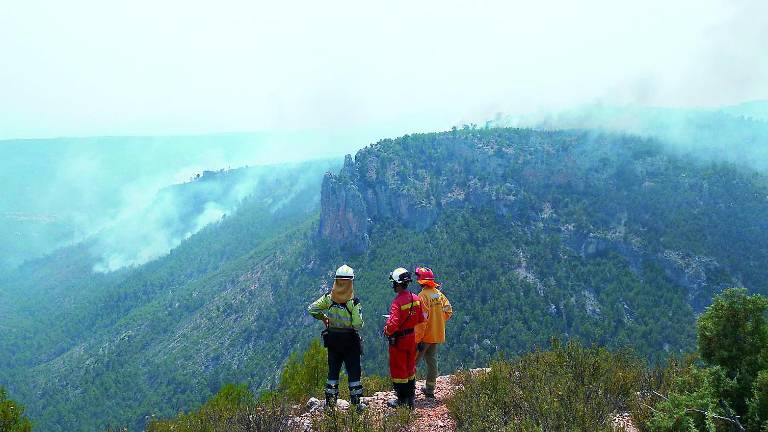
column 426, row 283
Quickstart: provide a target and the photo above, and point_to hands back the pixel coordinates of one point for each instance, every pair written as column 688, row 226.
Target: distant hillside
column 27, row 235
column 55, row 192
column 607, row 238
column 735, row 134
column 756, row 110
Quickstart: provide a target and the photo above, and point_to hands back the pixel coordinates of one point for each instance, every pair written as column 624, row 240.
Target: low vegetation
column 12, row 418
column 569, row 387
column 727, row 389
column 724, row 387
column 236, row 408
column 366, row 421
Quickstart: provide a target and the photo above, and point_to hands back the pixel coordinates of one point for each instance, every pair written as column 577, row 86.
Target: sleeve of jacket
column 393, row 322
column 447, row 308
column 356, row 309
column 318, row 306
column 421, row 317
column 421, row 328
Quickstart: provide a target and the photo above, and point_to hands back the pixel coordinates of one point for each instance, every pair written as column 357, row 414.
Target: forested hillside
column 74, row 340
column 601, row 237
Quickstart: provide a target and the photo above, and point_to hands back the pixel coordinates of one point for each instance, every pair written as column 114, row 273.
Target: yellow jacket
column 438, row 310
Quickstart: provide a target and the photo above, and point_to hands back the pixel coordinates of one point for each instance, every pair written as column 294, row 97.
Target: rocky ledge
column 431, row 415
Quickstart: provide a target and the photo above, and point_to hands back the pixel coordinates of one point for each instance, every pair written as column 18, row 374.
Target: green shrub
column 733, row 334
column 231, row 396
column 571, row 388
column 693, row 402
column 375, row 383
column 12, row 418
column 234, row 408
column 730, row 391
column 304, row 374
column 658, row 381
column 758, row 405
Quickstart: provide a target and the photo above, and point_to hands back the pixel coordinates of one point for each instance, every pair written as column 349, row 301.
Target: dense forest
column 590, row 238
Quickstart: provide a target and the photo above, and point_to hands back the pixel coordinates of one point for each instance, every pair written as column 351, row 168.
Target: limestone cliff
column 344, row 218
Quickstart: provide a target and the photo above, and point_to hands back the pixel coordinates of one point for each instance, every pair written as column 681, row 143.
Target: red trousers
column 402, row 359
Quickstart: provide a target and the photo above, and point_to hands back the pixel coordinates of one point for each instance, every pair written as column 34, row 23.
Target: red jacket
column 405, row 313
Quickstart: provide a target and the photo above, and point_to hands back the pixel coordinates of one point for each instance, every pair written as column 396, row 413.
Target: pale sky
column 147, row 67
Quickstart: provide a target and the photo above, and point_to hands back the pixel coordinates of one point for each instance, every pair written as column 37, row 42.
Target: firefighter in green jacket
column 342, row 315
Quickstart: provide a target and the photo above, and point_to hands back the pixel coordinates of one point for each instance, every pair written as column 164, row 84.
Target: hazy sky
column 102, row 67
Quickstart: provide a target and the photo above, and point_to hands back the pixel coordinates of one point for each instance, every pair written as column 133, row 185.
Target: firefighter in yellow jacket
column 432, row 332
column 342, row 315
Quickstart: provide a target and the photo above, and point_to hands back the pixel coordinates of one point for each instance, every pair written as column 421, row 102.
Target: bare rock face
column 343, row 218
column 374, row 187
column 410, row 182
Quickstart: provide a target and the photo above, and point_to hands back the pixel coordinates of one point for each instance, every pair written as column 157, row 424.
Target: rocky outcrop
column 694, row 273
column 410, row 181
column 431, row 415
column 344, row 218
column 350, row 204
column 413, row 179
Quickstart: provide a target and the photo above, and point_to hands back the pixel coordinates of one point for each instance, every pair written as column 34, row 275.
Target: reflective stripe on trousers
column 332, row 387
column 355, row 388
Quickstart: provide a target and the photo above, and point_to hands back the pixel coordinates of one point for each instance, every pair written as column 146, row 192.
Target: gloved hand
column 326, row 321
column 421, row 346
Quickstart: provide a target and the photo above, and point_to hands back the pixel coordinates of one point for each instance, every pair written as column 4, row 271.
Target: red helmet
column 424, row 273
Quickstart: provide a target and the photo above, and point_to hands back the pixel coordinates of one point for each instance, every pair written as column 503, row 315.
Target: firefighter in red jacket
column 404, row 314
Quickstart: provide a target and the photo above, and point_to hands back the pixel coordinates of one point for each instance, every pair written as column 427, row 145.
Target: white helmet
column 400, row 275
column 345, row 272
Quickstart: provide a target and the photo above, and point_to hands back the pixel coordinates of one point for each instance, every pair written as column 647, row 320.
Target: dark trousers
column 344, row 347
column 351, row 360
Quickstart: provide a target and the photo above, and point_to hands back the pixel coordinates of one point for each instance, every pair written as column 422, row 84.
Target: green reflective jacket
column 340, row 315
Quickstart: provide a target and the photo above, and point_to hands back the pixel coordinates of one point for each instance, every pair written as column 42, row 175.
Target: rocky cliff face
column 412, row 180
column 410, row 184
column 344, row 217
column 599, row 193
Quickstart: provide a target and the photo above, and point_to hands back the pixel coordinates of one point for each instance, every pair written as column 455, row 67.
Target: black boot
column 428, row 392
column 355, row 393
column 331, row 394
column 411, row 394
column 355, row 401
column 401, row 393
